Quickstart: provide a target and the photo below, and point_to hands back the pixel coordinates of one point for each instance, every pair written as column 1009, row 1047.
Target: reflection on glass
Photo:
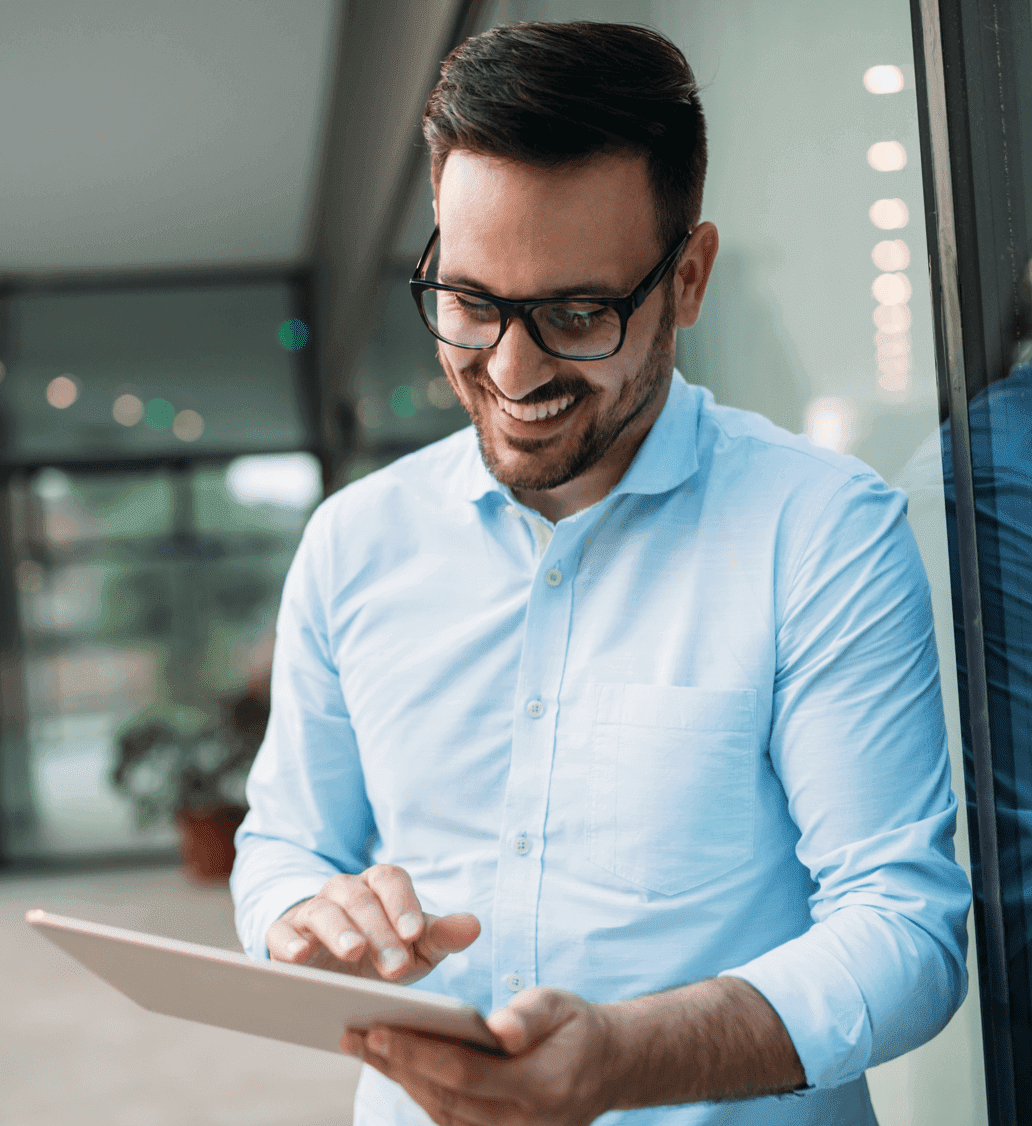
column 1001, row 454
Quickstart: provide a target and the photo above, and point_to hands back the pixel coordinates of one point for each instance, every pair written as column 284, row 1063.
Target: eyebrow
column 582, row 289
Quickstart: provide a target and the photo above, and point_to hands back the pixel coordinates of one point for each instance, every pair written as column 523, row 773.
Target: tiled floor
column 74, row 1051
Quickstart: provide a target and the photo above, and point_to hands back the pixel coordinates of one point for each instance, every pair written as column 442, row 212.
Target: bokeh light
column 891, row 255
column 127, row 410
column 188, row 426
column 158, row 414
column 403, row 401
column 831, row 422
column 887, row 156
column 883, row 79
column 891, row 289
column 286, row 480
column 52, row 485
column 440, row 394
column 294, row 335
column 892, row 318
column 62, row 392
column 889, row 214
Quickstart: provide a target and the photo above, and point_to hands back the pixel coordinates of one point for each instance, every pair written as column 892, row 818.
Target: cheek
column 459, row 374
column 458, row 363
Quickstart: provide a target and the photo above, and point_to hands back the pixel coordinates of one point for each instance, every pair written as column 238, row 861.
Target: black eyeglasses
column 577, row 328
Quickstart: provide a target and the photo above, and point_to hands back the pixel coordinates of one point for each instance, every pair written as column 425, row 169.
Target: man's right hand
column 370, row 925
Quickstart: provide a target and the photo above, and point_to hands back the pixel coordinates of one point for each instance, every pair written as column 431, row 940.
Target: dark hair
column 553, row 94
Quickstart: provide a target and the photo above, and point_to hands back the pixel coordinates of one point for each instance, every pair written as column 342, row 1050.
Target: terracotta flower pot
column 206, row 841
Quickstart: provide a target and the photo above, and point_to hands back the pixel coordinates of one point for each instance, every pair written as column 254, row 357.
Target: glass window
column 142, row 597
column 155, row 497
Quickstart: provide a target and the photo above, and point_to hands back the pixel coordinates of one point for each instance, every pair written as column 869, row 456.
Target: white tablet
column 273, row 999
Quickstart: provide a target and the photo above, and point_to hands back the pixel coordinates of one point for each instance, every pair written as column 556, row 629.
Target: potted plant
column 182, row 765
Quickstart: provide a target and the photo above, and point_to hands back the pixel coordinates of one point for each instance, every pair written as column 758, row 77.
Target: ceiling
column 140, row 134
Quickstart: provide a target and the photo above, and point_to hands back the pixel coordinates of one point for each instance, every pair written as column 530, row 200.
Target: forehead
column 517, row 230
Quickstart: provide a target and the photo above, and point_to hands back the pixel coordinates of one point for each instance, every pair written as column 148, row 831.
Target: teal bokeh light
column 159, row 414
column 294, row 335
column 403, row 401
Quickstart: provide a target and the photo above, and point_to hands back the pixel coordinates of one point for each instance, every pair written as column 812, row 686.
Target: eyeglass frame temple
column 624, row 306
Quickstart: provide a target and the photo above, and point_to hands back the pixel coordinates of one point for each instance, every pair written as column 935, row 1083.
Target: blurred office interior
column 210, row 215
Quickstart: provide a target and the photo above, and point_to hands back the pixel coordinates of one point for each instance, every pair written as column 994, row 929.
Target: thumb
column 448, row 935
column 530, row 1018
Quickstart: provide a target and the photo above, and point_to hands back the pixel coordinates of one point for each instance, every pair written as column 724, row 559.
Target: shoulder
column 801, row 493
column 746, row 461
column 430, row 478
column 740, row 443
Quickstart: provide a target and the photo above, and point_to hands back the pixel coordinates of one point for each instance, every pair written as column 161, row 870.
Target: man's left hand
column 559, row 1068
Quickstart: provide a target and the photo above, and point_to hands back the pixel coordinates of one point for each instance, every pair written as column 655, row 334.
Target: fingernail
column 392, row 959
column 409, row 923
column 348, row 940
column 378, row 1042
column 295, row 946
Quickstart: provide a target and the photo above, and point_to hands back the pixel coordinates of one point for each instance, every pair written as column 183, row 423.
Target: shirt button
column 535, row 709
column 554, row 577
column 521, row 846
column 514, row 982
column 511, row 510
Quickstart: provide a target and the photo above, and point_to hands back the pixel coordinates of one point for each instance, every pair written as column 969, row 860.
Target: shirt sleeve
column 309, row 817
column 858, row 740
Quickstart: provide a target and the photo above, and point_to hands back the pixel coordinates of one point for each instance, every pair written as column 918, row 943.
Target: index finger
column 393, row 887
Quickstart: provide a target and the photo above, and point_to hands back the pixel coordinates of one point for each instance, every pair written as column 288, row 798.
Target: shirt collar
column 669, row 454
column 666, row 459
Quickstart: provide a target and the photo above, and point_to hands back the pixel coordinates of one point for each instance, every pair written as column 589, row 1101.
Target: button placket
column 515, row 925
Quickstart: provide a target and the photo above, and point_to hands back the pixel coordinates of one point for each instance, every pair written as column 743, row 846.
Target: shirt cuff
column 275, row 903
column 819, row 1004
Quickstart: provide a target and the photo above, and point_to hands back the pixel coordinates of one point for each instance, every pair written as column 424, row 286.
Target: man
column 617, row 715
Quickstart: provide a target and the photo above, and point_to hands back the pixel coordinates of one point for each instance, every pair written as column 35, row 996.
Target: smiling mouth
column 534, row 412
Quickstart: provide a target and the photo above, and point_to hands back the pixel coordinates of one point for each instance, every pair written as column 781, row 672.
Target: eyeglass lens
column 576, row 329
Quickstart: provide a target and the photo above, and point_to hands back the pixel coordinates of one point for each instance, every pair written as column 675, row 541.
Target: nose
column 516, row 364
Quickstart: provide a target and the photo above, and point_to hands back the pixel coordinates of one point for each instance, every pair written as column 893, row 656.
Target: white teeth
column 533, row 413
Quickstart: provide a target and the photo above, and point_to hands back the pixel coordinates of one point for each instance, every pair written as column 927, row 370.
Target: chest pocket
column 672, row 783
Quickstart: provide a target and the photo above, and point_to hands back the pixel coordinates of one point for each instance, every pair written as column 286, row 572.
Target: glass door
column 976, row 76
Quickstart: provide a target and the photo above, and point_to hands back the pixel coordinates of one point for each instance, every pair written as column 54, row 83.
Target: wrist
column 621, row 1058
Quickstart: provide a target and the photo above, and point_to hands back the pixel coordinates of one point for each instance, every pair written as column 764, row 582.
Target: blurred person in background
column 618, row 713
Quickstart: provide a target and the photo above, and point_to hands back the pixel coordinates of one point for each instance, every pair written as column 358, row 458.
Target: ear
column 437, row 218
column 693, row 272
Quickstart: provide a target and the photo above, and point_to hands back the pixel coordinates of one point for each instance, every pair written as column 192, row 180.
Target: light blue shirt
column 692, row 730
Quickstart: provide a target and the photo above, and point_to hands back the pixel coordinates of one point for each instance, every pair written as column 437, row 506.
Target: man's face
column 519, row 232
